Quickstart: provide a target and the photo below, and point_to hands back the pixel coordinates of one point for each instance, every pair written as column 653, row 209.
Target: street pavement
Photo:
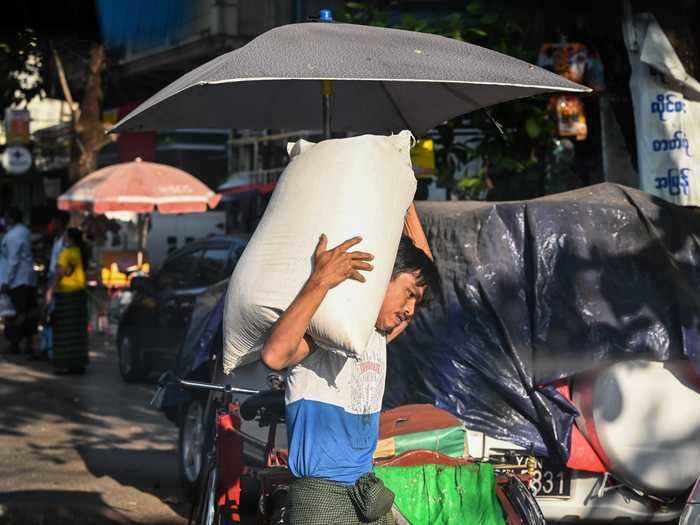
column 84, row 449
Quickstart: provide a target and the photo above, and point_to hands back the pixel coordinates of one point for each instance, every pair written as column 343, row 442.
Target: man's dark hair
column 14, row 214
column 62, row 217
column 76, row 238
column 411, row 259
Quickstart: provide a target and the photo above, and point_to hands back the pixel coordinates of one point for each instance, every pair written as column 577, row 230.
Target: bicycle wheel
column 207, row 511
column 278, row 507
column 211, row 513
column 206, row 506
column 524, row 502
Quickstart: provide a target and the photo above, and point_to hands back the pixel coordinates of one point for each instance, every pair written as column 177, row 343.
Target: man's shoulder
column 19, row 231
column 13, row 234
column 325, row 354
column 377, row 341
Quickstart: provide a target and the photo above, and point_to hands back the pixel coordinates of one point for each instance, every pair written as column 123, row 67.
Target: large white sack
column 342, row 187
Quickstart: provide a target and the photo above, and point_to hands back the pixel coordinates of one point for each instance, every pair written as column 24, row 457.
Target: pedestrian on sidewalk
column 18, row 281
column 57, row 228
column 69, row 319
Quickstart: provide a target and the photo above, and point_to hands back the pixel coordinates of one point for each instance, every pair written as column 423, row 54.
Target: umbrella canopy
column 139, row 187
column 383, row 80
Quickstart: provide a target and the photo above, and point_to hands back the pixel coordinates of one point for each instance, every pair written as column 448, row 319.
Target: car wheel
column 130, row 366
column 524, row 502
column 191, row 445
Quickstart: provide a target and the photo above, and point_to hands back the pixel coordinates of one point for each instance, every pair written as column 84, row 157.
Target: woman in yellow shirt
column 70, row 316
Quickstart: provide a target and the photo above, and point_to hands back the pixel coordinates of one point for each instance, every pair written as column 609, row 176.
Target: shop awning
column 245, row 185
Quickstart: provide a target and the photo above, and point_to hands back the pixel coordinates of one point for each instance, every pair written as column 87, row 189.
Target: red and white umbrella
column 139, row 187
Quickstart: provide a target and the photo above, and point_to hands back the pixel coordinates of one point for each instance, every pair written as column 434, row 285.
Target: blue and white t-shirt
column 333, row 405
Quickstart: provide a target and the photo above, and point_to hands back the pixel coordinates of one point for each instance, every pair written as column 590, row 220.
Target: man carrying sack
column 333, row 400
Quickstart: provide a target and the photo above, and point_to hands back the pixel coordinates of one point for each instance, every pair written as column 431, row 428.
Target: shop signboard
column 666, row 111
column 16, row 160
column 17, row 126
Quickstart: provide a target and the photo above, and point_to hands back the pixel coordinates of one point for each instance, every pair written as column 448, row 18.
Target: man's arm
column 396, row 332
column 411, row 228
column 14, row 246
column 288, row 343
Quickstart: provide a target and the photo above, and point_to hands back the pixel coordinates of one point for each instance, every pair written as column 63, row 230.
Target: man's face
column 400, row 302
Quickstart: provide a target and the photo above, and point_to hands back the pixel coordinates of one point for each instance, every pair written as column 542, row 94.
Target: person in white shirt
column 18, row 281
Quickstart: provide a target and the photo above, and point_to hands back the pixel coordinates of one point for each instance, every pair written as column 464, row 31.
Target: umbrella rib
column 396, row 106
column 462, row 96
column 467, row 98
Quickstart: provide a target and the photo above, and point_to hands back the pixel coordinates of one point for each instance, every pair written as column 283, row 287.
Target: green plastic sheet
column 444, row 495
column 448, row 441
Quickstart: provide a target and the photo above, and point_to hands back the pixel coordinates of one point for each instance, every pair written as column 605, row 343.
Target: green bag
column 448, row 441
column 444, row 495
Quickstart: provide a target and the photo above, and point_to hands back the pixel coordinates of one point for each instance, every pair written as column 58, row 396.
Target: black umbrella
column 381, row 80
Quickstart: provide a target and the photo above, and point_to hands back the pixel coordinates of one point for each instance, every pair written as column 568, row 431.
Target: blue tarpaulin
column 536, row 291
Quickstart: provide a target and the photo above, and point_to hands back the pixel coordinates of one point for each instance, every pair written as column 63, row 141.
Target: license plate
column 547, row 479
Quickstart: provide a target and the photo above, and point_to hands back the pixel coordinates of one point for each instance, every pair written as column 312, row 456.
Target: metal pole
column 327, row 93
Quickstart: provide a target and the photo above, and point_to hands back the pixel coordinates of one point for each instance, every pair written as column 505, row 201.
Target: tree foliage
column 29, row 69
column 512, row 139
column 22, row 67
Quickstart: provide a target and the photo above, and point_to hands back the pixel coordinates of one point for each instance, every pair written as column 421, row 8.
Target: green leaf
column 422, row 26
column 489, row 18
column 408, row 22
column 454, row 21
column 474, row 8
column 532, row 128
column 475, row 31
column 469, row 183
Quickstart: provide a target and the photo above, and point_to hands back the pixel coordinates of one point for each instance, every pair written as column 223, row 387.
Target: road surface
column 84, row 449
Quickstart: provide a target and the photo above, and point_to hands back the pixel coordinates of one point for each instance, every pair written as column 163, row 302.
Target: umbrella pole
column 327, row 93
column 139, row 232
column 142, row 230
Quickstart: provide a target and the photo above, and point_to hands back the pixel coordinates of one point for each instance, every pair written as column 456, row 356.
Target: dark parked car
column 197, row 358
column 153, row 327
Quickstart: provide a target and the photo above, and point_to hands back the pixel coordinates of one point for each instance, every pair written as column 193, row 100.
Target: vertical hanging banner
column 666, row 112
column 17, row 126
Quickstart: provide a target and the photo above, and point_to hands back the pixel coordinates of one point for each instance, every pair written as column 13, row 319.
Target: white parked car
column 642, row 421
column 691, row 513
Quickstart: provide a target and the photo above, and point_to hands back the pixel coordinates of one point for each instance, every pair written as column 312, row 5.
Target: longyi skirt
column 70, row 330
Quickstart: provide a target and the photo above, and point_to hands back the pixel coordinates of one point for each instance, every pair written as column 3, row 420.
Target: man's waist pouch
column 370, row 497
